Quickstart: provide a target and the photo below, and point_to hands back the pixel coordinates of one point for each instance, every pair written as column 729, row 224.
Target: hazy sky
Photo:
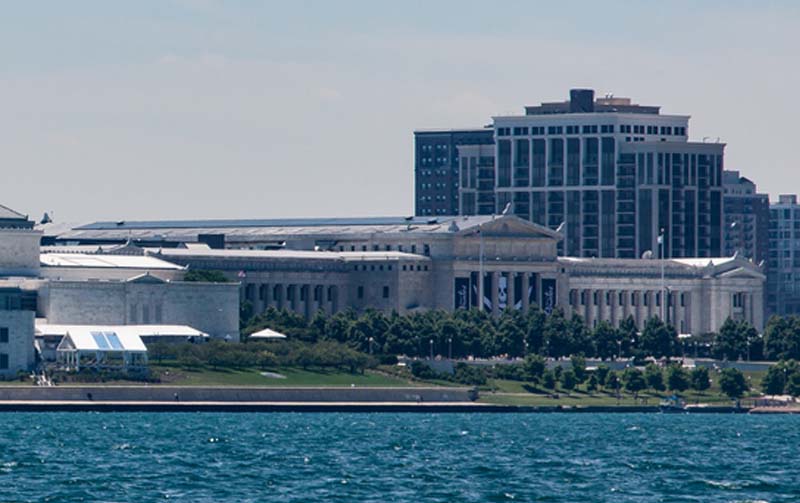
column 203, row 108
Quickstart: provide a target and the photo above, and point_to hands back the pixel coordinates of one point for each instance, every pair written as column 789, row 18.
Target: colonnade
column 614, row 305
column 302, row 298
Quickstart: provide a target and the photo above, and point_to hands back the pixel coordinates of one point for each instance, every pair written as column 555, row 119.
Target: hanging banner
column 518, row 293
column 502, row 291
column 487, row 291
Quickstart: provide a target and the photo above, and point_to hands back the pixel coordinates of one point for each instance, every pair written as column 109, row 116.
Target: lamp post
column 371, row 340
column 431, row 341
column 480, row 270
column 663, row 285
column 449, row 348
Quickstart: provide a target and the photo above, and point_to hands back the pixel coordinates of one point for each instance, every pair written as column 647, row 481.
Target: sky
column 247, row 109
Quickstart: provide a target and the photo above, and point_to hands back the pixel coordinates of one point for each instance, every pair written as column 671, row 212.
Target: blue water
column 399, row 457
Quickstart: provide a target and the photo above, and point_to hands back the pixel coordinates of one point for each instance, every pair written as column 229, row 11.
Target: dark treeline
column 222, row 355
column 464, row 333
column 476, row 333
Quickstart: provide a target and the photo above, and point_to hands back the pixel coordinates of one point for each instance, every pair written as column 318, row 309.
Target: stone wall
column 19, row 347
column 19, row 252
column 210, row 307
column 203, row 394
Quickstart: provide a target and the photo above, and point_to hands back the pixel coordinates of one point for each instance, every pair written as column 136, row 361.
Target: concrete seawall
column 165, row 394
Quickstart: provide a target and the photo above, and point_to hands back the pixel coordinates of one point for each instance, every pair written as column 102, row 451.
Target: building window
column 683, row 300
column 595, row 298
column 360, row 292
column 621, row 299
column 3, row 334
column 4, row 361
column 385, row 292
column 404, row 267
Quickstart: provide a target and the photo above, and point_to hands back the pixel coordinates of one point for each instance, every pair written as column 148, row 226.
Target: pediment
column 742, row 272
column 146, row 278
column 511, row 226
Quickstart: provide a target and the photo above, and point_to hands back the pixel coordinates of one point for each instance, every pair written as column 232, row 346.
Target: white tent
column 267, row 335
column 101, row 347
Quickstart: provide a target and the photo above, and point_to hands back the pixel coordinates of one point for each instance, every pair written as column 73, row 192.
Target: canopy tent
column 101, row 347
column 267, row 335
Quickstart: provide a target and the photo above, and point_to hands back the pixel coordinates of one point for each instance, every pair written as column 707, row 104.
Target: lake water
column 399, row 457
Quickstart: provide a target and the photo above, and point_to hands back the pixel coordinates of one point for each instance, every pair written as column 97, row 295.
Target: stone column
column 268, row 295
column 495, row 283
column 309, row 301
column 525, row 285
column 511, row 291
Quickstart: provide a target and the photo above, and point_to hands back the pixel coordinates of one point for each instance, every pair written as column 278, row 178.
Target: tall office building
column 436, row 170
column 746, row 213
column 783, row 266
column 616, row 175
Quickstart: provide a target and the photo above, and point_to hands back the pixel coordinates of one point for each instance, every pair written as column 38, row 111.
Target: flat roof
column 106, row 261
column 266, row 222
column 287, row 254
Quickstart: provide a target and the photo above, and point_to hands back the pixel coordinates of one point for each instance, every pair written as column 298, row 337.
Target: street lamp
column 663, row 287
column 431, row 341
column 371, row 340
column 449, row 348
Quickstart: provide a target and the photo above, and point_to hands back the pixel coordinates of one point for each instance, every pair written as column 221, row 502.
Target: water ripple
column 392, row 457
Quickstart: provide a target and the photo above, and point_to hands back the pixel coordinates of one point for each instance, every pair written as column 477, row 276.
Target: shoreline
column 370, row 407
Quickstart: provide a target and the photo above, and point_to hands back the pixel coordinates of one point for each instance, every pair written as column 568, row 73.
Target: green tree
column 733, row 383
column 208, row 276
column 602, row 374
column 579, row 367
column 634, row 380
column 607, row 341
column 568, row 380
column 654, row 377
column 549, row 379
column 782, row 338
column 734, row 339
column 677, row 378
column 534, row 367
column 659, row 340
column 793, row 384
column 774, row 381
column 629, row 337
column 700, row 380
column 557, row 335
column 612, row 380
column 591, row 385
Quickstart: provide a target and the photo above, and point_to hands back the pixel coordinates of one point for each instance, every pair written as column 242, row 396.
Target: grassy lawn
column 506, row 392
column 293, row 377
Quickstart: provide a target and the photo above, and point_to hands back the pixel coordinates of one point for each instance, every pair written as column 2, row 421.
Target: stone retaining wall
column 202, row 394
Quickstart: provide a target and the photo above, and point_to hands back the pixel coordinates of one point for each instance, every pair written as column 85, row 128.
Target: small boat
column 672, row 404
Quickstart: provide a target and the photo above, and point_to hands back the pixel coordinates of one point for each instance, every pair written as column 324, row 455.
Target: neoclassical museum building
column 492, row 262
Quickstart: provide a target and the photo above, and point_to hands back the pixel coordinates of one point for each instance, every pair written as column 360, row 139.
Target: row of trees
column 674, row 378
column 476, row 333
column 217, row 354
